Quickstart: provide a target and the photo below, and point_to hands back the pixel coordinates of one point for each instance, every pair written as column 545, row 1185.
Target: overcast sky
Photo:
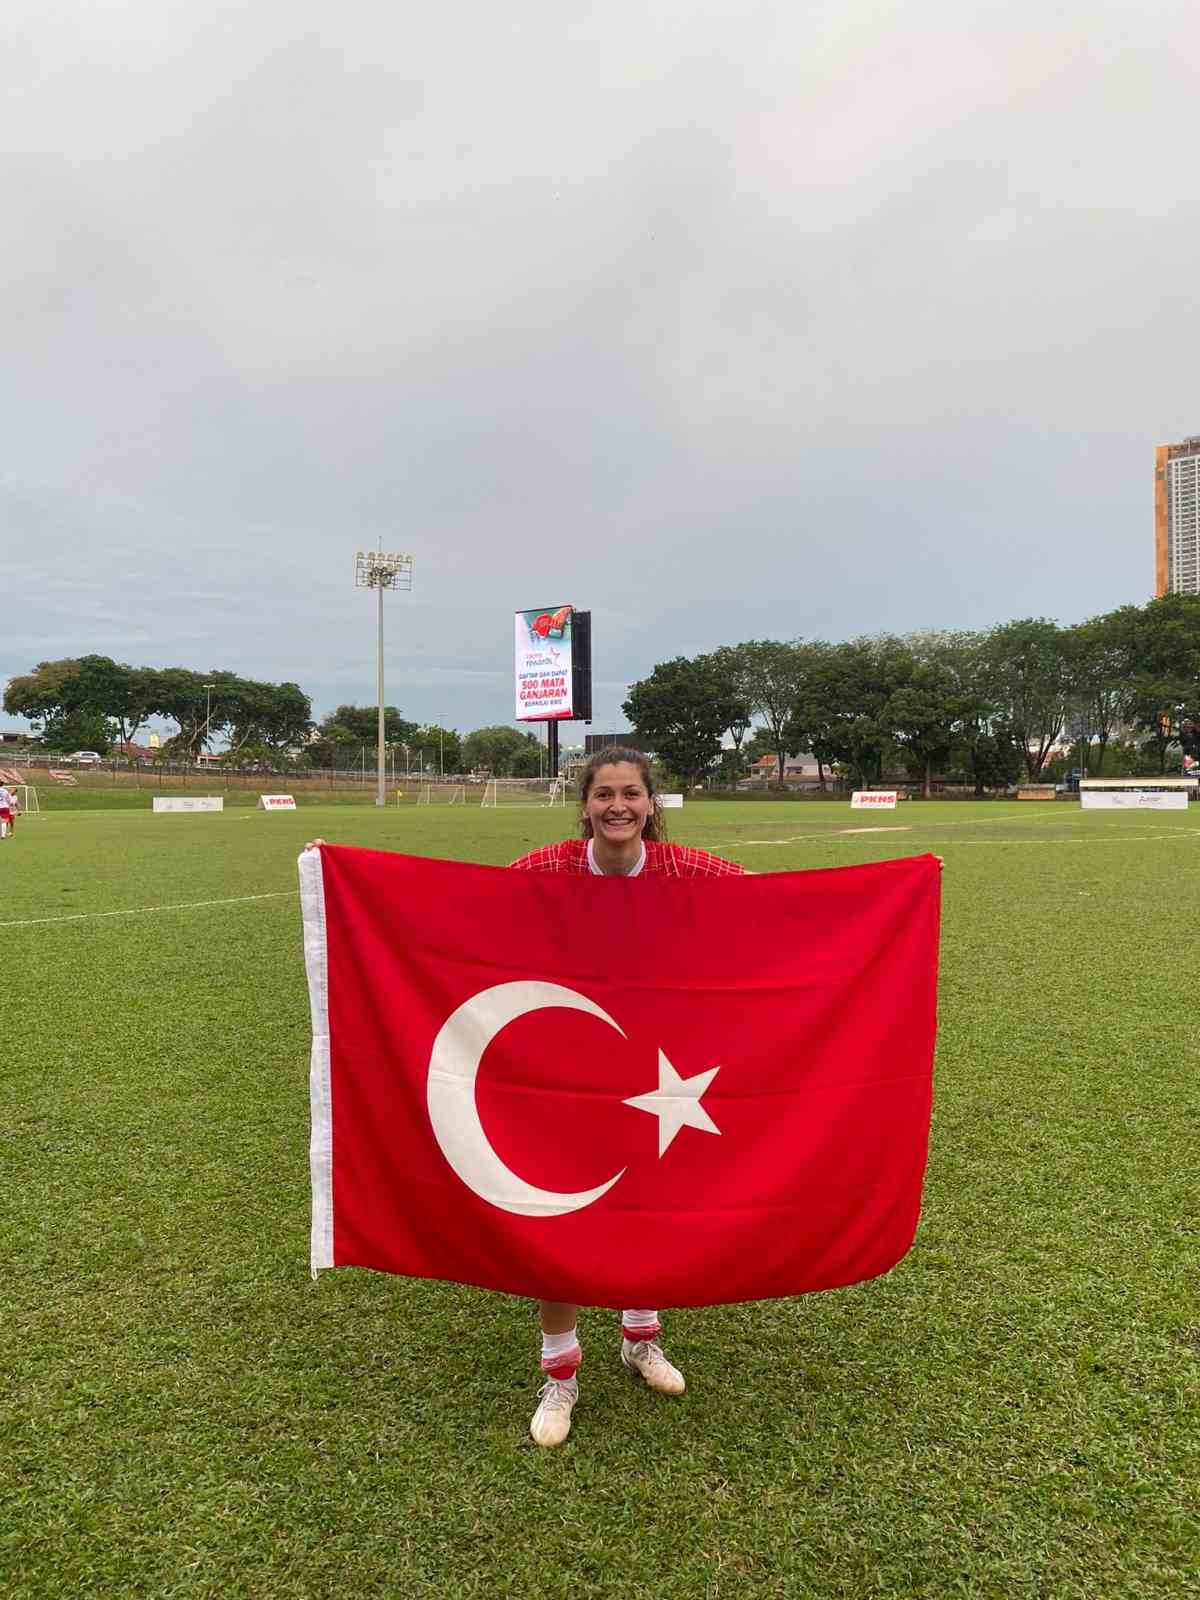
column 725, row 320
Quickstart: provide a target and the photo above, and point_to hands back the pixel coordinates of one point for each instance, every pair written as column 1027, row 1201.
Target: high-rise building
column 1177, row 517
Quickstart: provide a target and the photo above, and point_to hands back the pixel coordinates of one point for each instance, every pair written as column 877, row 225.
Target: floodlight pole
column 207, row 712
column 380, row 570
column 380, row 797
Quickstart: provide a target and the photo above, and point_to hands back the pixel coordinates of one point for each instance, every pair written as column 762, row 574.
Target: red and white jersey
column 666, row 860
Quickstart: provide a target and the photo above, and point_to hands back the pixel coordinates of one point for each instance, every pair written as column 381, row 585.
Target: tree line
column 92, row 702
column 988, row 707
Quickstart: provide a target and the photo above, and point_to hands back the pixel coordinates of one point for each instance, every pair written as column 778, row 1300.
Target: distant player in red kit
column 8, row 811
column 623, row 835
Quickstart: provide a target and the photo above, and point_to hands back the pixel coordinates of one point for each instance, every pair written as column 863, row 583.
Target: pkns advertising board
column 553, row 665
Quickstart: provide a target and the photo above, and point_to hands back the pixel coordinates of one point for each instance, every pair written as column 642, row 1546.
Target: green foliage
column 110, row 693
column 79, row 730
column 855, row 682
column 359, row 725
column 494, row 750
column 771, row 681
column 1027, row 676
column 685, row 707
column 528, row 761
column 440, row 748
column 730, row 666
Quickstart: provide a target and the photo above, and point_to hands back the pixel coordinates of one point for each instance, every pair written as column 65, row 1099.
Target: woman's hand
column 314, row 844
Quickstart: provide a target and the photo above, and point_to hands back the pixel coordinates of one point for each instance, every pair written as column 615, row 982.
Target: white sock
column 557, row 1345
column 639, row 1320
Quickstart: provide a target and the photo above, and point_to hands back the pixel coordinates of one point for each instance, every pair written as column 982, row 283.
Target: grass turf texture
column 1012, row 1412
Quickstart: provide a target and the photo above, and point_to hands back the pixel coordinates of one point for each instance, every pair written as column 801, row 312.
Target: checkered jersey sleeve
column 569, row 855
column 689, row 862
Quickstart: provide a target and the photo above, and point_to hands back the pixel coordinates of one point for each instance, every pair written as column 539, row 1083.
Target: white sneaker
column 646, row 1357
column 552, row 1420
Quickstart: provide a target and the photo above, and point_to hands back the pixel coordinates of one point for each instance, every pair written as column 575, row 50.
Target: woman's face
column 617, row 804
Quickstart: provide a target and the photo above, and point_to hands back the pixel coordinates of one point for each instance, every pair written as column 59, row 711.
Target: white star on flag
column 676, row 1102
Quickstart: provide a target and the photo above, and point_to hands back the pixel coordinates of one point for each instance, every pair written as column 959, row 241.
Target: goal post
column 27, row 797
column 524, row 793
column 441, row 794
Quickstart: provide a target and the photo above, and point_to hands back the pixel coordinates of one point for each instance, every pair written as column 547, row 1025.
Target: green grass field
column 1014, row 1411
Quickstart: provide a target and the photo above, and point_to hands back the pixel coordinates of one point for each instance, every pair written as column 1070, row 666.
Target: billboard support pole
column 552, row 749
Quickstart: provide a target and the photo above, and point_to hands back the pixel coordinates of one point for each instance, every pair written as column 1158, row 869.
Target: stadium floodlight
column 380, row 570
column 208, row 689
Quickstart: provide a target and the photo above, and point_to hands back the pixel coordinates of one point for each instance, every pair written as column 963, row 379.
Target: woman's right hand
column 315, row 844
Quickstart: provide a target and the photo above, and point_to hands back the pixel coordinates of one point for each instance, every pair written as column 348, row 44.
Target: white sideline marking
column 874, row 830
column 1076, row 838
column 141, row 911
column 828, row 833
column 1090, row 838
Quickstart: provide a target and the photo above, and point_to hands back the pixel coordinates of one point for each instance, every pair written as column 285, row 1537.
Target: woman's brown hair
column 656, row 825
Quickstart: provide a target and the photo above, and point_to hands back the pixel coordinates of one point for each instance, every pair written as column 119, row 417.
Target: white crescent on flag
column 450, row 1091
column 450, row 1095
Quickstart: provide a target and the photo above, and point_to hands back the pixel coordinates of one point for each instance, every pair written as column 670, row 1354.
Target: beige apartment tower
column 1177, row 517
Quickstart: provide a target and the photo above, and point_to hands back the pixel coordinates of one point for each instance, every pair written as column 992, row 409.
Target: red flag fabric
column 619, row 1091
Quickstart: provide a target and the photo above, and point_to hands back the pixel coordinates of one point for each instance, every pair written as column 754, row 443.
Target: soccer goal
column 526, row 792
column 441, row 794
column 28, row 798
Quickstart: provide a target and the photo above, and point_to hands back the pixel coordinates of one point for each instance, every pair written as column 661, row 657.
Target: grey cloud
column 723, row 320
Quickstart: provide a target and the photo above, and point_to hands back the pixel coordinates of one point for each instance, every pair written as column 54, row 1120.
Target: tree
column 1102, row 655
column 249, row 754
column 979, row 740
column 528, row 761
column 850, row 685
column 274, row 716
column 683, row 707
column 1166, row 684
column 180, row 694
column 993, row 758
column 1028, row 672
column 79, row 730
column 440, row 747
column 771, row 678
column 730, row 666
column 46, row 692
column 86, row 692
column 494, row 749
column 359, row 725
column 817, row 706
column 926, row 715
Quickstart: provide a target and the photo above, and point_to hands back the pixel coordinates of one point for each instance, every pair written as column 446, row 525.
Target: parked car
column 83, row 758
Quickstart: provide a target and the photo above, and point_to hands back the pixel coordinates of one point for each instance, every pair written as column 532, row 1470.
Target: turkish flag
column 619, row 1091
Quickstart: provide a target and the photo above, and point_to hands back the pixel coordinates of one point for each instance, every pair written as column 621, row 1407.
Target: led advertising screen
column 544, row 673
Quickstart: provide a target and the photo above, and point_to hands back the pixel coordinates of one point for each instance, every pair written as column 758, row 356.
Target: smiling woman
column 623, row 830
column 623, row 836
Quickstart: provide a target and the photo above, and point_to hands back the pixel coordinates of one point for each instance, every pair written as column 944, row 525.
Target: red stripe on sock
column 563, row 1366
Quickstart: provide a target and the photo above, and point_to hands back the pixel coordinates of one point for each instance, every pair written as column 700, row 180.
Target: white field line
column 1077, row 838
column 875, row 830
column 142, row 911
column 911, row 827
column 961, row 822
column 1091, row 838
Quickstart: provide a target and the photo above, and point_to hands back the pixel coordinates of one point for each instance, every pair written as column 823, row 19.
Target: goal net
column 441, row 794
column 524, row 792
column 27, row 798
